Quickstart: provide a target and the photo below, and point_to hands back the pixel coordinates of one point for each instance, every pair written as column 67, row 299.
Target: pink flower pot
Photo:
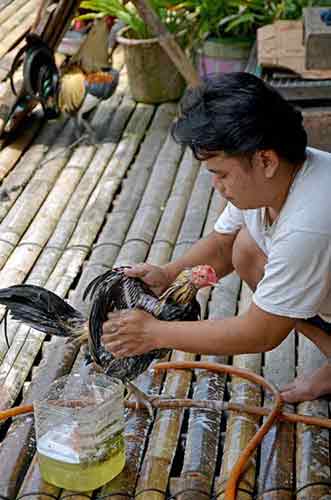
column 222, row 56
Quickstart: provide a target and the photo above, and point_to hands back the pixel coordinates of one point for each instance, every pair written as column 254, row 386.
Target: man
column 275, row 231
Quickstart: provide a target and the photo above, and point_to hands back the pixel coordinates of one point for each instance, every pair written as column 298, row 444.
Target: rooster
column 40, row 82
column 87, row 78
column 75, row 89
column 47, row 312
column 53, row 18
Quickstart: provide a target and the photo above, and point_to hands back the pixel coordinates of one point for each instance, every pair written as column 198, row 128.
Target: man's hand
column 129, row 333
column 154, row 276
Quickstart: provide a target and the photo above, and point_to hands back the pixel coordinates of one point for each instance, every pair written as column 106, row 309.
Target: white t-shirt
column 297, row 278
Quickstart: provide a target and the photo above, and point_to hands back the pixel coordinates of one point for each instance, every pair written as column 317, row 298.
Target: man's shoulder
column 308, row 207
column 317, row 165
column 318, row 153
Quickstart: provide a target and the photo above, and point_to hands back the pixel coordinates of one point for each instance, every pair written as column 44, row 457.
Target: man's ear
column 268, row 161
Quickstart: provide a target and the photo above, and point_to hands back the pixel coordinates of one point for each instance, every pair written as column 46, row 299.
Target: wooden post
column 168, row 43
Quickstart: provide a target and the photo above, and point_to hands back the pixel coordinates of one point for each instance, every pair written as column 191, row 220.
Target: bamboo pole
column 11, row 23
column 148, row 197
column 18, row 371
column 21, row 214
column 203, row 435
column 22, row 259
column 4, row 3
column 11, row 154
column 94, row 212
column 72, row 495
column 276, row 474
column 25, row 161
column 62, row 18
column 10, row 10
column 195, row 215
column 33, row 482
column 15, row 184
column 241, row 428
column 168, row 43
column 313, row 478
column 174, row 211
column 111, row 179
column 155, row 196
column 5, row 65
column 16, row 34
column 136, row 433
column 155, row 471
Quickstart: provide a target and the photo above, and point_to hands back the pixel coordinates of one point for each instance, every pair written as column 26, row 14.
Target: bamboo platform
column 67, row 216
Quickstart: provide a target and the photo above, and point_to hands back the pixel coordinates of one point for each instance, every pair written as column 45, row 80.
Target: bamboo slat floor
column 68, row 215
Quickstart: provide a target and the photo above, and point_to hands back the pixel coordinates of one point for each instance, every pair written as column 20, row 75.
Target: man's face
column 236, row 178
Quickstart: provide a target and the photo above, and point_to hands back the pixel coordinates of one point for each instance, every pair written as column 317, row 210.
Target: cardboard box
column 317, row 39
column 281, row 45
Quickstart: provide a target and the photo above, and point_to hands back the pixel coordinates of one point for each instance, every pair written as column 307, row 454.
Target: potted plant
column 227, row 31
column 227, row 28
column 153, row 78
column 239, row 26
column 293, row 9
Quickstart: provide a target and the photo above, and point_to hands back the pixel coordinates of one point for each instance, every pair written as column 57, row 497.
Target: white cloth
column 297, row 278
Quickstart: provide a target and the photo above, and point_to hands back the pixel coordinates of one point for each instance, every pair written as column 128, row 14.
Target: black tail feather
column 43, row 310
column 6, row 328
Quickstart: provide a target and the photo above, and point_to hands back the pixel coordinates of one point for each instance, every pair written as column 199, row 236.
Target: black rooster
column 53, row 18
column 113, row 290
column 75, row 89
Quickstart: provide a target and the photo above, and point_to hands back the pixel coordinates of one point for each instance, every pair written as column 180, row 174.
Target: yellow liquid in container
column 61, row 466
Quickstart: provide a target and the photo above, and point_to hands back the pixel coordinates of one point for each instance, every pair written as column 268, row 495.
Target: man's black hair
column 239, row 113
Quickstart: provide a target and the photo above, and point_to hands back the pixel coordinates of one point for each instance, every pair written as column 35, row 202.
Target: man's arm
column 215, row 250
column 254, row 331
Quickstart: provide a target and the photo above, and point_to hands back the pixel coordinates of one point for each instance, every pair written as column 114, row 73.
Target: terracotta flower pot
column 153, row 77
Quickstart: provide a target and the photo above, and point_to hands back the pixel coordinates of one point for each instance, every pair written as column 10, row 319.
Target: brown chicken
column 87, row 78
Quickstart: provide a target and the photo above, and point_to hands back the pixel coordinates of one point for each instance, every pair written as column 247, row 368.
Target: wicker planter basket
column 153, row 77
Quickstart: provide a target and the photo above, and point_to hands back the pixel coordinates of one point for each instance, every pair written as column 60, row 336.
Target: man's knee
column 248, row 259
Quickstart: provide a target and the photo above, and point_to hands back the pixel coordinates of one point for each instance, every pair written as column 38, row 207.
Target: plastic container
column 222, row 55
column 79, row 430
